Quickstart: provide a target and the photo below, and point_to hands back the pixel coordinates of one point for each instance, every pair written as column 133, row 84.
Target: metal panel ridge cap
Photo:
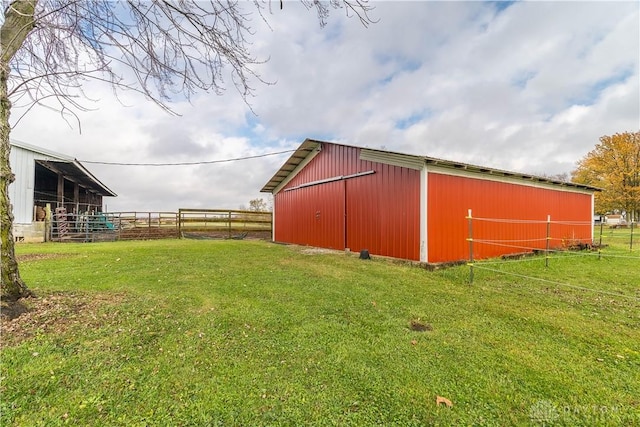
column 294, row 164
column 409, row 161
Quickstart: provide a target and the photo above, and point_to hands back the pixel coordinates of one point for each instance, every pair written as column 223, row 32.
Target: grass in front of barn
column 193, row 333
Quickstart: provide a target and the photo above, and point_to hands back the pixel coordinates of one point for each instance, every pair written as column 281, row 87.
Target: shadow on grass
column 13, row 309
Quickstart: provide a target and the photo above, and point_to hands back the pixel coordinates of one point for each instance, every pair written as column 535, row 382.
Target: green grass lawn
column 225, row 333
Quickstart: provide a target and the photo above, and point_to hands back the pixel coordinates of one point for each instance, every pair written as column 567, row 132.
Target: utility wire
column 208, row 162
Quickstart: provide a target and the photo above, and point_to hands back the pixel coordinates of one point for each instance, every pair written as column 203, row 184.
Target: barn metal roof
column 291, row 166
column 69, row 167
column 306, row 148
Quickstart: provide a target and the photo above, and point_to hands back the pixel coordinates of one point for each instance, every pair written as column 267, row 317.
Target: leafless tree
column 49, row 49
column 258, row 205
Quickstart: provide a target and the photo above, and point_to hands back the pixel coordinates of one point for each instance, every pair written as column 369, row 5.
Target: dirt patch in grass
column 53, row 313
column 36, row 257
column 419, row 326
column 319, row 251
column 225, row 235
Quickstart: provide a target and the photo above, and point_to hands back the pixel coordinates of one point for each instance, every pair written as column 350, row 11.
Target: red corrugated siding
column 450, row 197
column 381, row 211
column 311, row 216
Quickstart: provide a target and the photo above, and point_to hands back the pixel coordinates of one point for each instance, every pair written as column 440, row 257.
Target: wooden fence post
column 470, row 240
column 546, row 252
column 600, row 242
column 47, row 222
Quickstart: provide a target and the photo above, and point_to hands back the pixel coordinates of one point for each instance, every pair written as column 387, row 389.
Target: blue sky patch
column 520, row 81
column 590, row 94
column 400, row 64
column 411, row 120
column 502, row 5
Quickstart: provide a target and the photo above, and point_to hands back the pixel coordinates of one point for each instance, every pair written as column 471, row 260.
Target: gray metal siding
column 21, row 190
column 23, row 166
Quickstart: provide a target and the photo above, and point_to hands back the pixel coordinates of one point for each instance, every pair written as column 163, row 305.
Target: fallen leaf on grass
column 414, row 342
column 443, row 400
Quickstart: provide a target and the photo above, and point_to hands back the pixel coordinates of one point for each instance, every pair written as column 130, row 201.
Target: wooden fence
column 145, row 225
column 223, row 223
column 189, row 223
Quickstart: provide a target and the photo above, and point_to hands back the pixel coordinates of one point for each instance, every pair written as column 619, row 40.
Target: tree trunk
column 12, row 286
column 18, row 22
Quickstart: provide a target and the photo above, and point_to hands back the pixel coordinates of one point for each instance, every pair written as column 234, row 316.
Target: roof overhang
column 291, row 167
column 447, row 164
column 68, row 167
column 75, row 172
column 310, row 146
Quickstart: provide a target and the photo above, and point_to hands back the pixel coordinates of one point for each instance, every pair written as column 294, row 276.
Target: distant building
column 45, row 177
column 414, row 207
column 614, row 220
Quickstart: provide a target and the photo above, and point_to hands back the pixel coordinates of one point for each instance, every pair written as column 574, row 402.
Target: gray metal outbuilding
column 45, row 177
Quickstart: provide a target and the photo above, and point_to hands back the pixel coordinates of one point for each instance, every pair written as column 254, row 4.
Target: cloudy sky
column 524, row 86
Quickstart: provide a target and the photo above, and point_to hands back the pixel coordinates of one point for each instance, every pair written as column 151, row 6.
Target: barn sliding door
column 383, row 213
column 378, row 210
column 312, row 216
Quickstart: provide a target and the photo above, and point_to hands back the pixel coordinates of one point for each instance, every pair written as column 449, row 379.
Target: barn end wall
column 364, row 205
column 21, row 189
column 449, row 197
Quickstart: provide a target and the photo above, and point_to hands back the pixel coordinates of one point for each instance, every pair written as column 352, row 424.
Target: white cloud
column 530, row 88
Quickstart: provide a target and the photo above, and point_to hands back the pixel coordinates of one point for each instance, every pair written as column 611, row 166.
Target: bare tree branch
column 162, row 49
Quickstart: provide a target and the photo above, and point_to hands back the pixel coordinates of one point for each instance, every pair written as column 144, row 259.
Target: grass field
column 198, row 333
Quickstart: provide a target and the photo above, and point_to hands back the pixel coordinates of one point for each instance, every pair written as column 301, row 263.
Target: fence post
column 600, row 241
column 229, row 224
column 47, row 222
column 119, row 225
column 546, row 252
column 179, row 220
column 470, row 240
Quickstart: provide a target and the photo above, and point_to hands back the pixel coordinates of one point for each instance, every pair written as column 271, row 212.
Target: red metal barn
column 413, row 207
